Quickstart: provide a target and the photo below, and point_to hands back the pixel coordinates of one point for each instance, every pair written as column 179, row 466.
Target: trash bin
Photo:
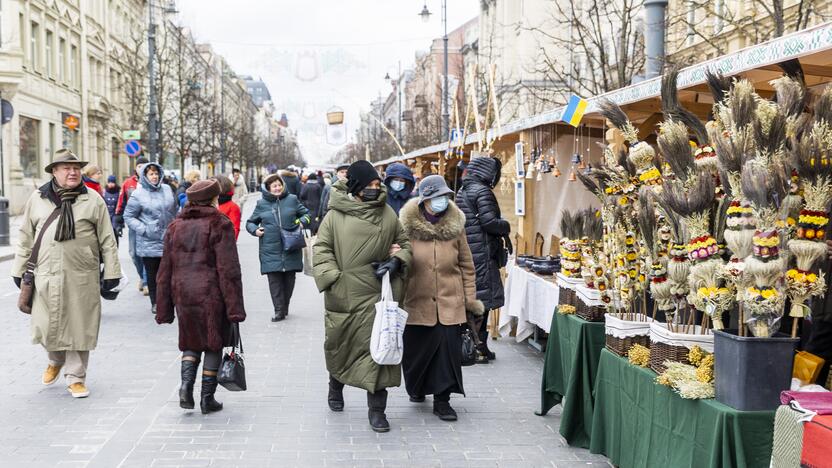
column 4, row 221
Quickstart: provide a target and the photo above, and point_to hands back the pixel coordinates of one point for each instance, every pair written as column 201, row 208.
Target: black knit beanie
column 359, row 176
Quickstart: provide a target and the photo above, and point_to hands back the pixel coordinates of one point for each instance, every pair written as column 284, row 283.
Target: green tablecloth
column 572, row 354
column 638, row 423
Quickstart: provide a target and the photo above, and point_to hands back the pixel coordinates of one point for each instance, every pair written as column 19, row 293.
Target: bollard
column 4, row 221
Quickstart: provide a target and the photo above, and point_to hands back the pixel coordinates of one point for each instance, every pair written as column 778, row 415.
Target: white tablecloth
column 530, row 300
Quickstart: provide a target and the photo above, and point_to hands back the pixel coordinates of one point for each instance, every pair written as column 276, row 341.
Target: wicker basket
column 567, row 296
column 620, row 346
column 590, row 313
column 661, row 352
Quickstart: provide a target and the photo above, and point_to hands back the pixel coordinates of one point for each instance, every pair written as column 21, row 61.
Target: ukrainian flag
column 574, row 111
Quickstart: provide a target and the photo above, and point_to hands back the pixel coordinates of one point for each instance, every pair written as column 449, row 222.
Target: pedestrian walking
column 400, row 183
column 111, row 192
column 310, row 196
column 227, row 205
column 487, row 235
column 72, row 247
column 291, row 179
column 92, row 179
column 188, row 179
column 200, row 279
column 278, row 210
column 149, row 212
column 127, row 189
column 359, row 241
column 240, row 189
column 441, row 288
column 340, row 174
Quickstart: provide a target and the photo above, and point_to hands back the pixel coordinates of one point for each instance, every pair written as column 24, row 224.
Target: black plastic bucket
column 750, row 372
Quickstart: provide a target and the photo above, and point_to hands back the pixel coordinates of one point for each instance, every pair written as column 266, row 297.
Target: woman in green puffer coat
column 280, row 266
column 359, row 241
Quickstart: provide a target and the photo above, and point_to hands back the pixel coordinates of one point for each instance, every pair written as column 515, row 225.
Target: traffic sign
column 131, row 135
column 133, row 148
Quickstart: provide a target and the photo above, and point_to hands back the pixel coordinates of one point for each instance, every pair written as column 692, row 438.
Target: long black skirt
column 432, row 360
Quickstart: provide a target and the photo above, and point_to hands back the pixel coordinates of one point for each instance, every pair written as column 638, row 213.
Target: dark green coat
column 272, row 256
column 355, row 234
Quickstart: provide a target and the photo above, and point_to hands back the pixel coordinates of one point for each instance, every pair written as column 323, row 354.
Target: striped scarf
column 66, row 223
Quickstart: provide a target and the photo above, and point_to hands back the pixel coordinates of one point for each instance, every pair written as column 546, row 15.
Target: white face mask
column 397, row 185
column 439, row 204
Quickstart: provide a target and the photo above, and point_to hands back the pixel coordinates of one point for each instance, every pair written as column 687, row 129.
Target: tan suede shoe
column 78, row 390
column 50, row 375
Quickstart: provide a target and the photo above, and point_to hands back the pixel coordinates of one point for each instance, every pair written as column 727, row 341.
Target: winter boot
column 279, row 315
column 335, row 399
column 377, row 403
column 442, row 407
column 482, row 354
column 207, row 402
column 186, row 390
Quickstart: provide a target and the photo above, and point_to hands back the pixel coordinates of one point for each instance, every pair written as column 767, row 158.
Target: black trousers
column 820, row 344
column 151, row 267
column 281, row 286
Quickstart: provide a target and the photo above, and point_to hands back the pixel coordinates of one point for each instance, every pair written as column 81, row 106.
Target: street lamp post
column 425, row 14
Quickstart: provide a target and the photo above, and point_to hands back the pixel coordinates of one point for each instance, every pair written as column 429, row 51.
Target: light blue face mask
column 439, row 204
column 397, row 185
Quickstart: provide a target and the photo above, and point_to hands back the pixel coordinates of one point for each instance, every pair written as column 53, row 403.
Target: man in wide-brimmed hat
column 66, row 308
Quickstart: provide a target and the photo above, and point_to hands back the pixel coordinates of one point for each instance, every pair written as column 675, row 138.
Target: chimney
column 654, row 32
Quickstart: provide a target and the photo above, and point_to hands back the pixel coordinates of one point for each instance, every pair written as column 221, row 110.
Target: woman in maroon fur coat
column 200, row 277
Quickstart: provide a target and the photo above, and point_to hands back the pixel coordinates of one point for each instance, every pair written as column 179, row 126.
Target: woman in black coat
column 310, row 196
column 486, row 231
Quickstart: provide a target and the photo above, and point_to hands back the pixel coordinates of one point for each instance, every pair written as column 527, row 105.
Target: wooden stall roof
column 641, row 101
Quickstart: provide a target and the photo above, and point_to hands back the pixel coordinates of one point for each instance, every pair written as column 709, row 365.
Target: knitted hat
column 203, row 191
column 359, row 176
column 432, row 187
column 111, row 178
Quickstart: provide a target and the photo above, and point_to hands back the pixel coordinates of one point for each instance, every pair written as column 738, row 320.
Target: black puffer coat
column 484, row 227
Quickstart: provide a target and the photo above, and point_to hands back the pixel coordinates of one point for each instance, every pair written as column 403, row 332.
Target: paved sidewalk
column 132, row 417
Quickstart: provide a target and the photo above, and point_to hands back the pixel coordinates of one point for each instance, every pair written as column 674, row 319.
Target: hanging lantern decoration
column 335, row 116
column 556, row 172
column 572, row 176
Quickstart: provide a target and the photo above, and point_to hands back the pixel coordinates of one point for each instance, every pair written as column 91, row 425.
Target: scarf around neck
column 66, row 222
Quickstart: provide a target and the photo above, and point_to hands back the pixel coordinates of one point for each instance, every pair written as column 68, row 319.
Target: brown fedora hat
column 65, row 156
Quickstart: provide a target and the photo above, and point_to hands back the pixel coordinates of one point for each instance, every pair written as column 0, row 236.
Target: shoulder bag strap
column 33, row 258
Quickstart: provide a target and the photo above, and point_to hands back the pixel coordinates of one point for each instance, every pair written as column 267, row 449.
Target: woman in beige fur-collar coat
column 441, row 287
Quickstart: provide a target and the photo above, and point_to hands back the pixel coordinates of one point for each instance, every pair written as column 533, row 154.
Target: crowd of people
column 442, row 251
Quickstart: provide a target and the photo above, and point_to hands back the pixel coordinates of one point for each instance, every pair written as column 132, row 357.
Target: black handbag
column 293, row 239
column 469, row 348
column 232, row 373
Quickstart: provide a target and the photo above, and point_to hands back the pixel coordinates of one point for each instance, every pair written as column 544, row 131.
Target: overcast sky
column 315, row 54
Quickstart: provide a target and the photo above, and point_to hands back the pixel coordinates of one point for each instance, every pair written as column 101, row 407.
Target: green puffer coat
column 355, row 234
column 272, row 256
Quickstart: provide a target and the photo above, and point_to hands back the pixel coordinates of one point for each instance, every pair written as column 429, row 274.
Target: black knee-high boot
column 186, row 390
column 377, row 403
column 335, row 398
column 207, row 402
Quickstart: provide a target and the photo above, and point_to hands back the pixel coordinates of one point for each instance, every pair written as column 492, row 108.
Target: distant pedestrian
column 189, row 179
column 277, row 210
column 149, row 212
column 400, row 183
column 310, row 196
column 92, row 179
column 487, row 235
column 227, row 205
column 359, row 241
column 66, row 315
column 441, row 288
column 340, row 174
column 240, row 189
column 127, row 189
column 200, row 279
column 291, row 179
column 111, row 192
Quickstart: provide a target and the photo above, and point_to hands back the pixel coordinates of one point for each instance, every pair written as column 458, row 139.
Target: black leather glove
column 391, row 266
column 119, row 232
column 16, row 281
column 119, row 221
column 109, row 284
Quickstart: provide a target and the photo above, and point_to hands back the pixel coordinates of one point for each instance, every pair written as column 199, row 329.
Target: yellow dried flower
column 663, row 379
column 705, row 371
column 695, row 355
column 638, row 355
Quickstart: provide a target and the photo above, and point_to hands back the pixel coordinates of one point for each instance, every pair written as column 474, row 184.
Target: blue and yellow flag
column 574, row 111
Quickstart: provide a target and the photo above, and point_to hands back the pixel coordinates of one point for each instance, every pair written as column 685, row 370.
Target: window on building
column 50, row 54
column 69, row 139
column 22, row 35
column 34, row 46
column 691, row 23
column 74, row 71
column 29, row 146
column 51, row 150
column 62, row 60
column 93, row 74
column 114, row 154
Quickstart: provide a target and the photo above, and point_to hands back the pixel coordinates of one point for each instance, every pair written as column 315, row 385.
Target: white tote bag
column 307, row 253
column 388, row 327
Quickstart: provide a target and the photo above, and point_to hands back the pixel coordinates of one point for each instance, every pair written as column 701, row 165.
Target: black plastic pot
column 751, row 372
column 522, row 260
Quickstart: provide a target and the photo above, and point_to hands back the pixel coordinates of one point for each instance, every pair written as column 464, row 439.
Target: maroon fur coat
column 200, row 277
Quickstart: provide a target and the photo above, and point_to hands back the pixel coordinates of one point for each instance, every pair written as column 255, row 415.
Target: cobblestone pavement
column 132, row 417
